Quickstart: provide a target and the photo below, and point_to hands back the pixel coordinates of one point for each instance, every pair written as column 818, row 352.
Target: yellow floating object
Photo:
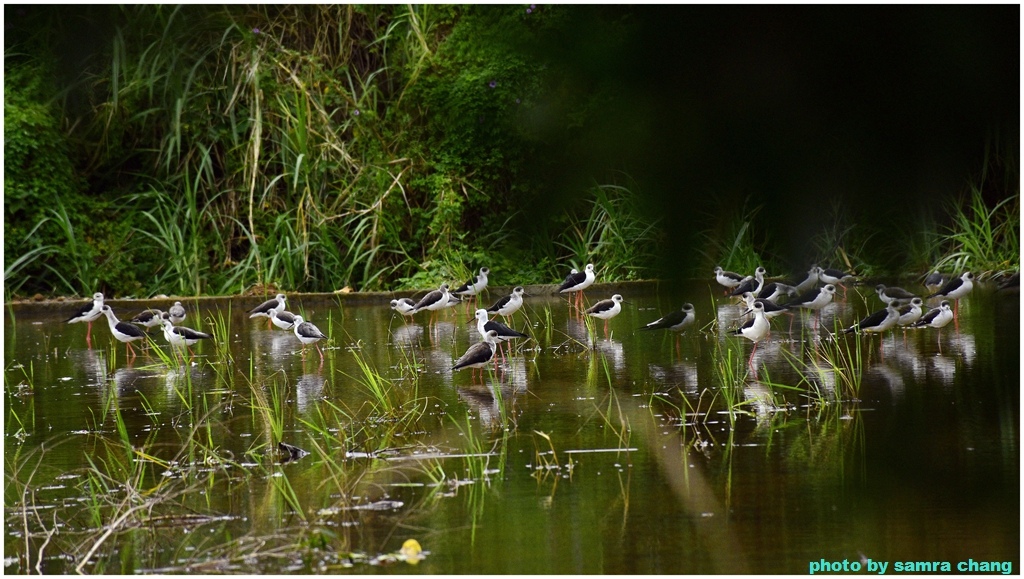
column 412, row 551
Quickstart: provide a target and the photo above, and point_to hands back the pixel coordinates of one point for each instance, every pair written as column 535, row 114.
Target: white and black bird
column 956, row 289
column 88, row 313
column 307, row 333
column 182, row 336
column 473, row 286
column 606, row 310
column 578, row 281
column 503, row 332
column 150, row 318
column 935, row 280
column 434, row 300
column 814, row 299
column 676, row 321
column 771, row 309
column 727, row 279
column 755, row 329
column 123, row 331
column 773, row 291
column 509, row 304
column 810, row 282
column 910, row 313
column 936, row 317
column 834, row 276
column 893, row 294
column 176, row 313
column 877, row 322
column 263, row 310
column 404, row 306
column 753, row 284
column 480, row 354
column 283, row 319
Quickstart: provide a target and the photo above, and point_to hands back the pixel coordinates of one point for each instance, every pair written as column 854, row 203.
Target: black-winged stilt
column 956, row 289
column 433, row 301
column 150, row 318
column 404, row 306
column 606, row 310
column 473, row 286
column 282, row 319
column 814, row 300
column 676, row 321
column 727, row 279
column 810, row 282
column 910, row 313
column 893, row 294
column 478, row 355
column 936, row 317
column 182, row 336
column 877, row 322
column 176, row 313
column 935, row 280
column 772, row 291
column 503, row 332
column 753, row 284
column 771, row 309
column 88, row 313
column 509, row 304
column 755, row 329
column 835, row 277
column 263, row 310
column 577, row 282
column 123, row 331
column 307, row 333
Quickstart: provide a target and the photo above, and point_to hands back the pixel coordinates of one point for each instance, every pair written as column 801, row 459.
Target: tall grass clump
column 842, row 242
column 306, row 147
column 735, row 240
column 983, row 236
column 610, row 230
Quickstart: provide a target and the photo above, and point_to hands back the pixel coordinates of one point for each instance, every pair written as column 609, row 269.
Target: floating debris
column 292, row 453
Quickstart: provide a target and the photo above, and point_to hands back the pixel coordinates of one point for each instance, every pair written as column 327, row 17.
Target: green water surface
column 579, row 454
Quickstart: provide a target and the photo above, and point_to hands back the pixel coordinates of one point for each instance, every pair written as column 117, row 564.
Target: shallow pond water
column 633, row 453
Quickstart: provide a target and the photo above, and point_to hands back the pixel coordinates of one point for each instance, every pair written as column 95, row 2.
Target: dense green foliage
column 211, row 149
column 309, row 148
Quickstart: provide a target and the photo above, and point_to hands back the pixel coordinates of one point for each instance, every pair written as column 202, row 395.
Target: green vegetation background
column 209, row 150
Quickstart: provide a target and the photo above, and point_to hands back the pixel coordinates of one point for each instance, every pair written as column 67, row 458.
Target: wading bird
column 88, row 313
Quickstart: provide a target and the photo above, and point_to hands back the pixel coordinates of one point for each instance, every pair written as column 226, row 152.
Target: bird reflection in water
column 308, row 390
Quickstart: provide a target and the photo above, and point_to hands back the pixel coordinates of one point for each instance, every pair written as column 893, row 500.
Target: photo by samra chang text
column 883, row 567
